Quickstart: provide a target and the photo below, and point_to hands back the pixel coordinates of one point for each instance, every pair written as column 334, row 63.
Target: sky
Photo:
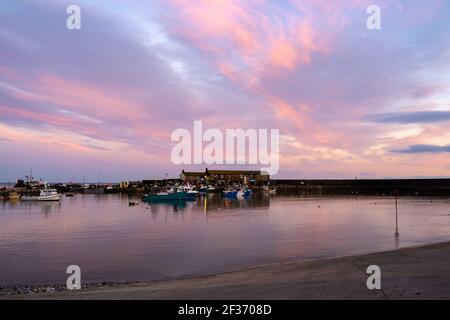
column 102, row 102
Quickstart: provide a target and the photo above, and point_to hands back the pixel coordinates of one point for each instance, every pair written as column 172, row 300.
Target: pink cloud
column 9, row 73
column 263, row 38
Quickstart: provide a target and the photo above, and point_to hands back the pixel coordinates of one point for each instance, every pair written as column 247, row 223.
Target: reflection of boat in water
column 211, row 204
column 244, row 193
column 165, row 196
column 230, row 194
column 202, row 190
column 46, row 207
column 44, row 195
column 177, row 204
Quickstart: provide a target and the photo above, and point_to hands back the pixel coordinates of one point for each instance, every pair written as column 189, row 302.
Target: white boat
column 44, row 195
column 191, row 193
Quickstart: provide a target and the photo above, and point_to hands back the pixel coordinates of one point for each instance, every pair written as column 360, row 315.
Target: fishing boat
column 13, row 196
column 181, row 195
column 210, row 189
column 44, row 195
column 191, row 193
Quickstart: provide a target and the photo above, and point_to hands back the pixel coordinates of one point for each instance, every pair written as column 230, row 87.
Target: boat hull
column 42, row 198
column 176, row 196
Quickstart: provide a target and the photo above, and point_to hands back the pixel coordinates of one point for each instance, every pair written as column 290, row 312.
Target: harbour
column 113, row 241
column 231, row 181
column 224, row 150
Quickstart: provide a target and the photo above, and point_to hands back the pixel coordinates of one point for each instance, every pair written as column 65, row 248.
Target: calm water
column 111, row 241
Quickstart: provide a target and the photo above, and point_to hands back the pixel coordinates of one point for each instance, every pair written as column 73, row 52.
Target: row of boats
column 187, row 192
column 183, row 192
column 45, row 194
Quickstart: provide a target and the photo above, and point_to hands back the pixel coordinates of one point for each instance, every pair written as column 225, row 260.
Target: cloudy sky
column 102, row 101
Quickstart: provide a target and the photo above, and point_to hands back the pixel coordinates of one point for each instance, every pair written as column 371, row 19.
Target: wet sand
column 411, row 273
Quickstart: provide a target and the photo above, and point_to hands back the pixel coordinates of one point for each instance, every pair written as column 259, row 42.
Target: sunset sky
column 102, row 101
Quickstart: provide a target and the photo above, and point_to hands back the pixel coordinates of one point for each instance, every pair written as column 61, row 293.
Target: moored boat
column 191, row 193
column 44, row 195
column 165, row 196
column 13, row 196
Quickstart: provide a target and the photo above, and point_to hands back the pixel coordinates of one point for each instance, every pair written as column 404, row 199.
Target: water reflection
column 216, row 202
column 45, row 207
column 211, row 202
column 111, row 240
column 397, row 240
column 175, row 204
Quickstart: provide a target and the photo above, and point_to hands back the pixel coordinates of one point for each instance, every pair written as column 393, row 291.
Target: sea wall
column 402, row 187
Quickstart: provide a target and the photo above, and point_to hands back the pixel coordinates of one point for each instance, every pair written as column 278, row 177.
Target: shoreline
column 419, row 272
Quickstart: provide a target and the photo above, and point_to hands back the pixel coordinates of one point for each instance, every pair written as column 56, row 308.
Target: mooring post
column 396, row 193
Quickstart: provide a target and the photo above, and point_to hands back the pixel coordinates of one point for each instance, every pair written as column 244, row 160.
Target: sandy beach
column 410, row 273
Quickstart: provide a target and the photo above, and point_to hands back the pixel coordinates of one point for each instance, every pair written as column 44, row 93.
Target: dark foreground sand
column 412, row 273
